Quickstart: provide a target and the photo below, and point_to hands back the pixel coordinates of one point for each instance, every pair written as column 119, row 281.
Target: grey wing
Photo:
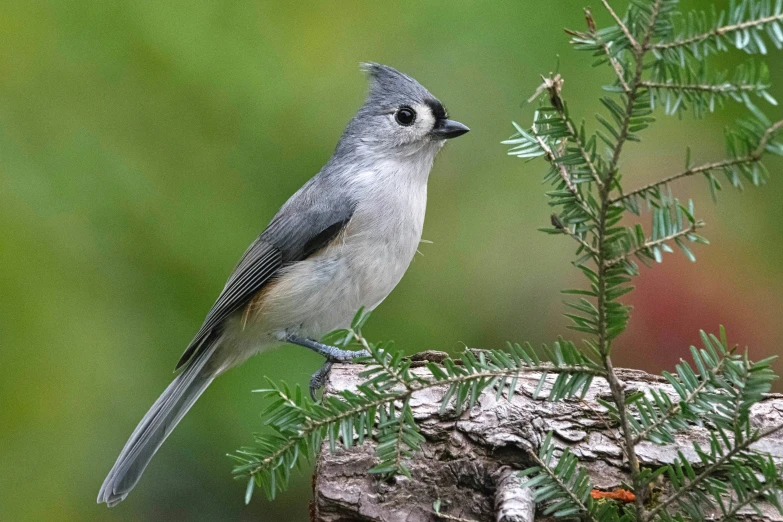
column 293, row 235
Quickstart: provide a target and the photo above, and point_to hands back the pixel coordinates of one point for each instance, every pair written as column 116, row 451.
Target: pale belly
column 323, row 293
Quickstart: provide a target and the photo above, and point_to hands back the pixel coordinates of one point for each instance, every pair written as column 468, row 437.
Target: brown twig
column 720, row 31
column 708, row 471
column 622, row 25
column 754, row 156
column 554, row 86
column 618, row 68
column 657, row 242
column 724, row 87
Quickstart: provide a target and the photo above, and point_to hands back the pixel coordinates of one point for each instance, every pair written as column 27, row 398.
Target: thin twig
column 549, row 155
column 622, row 25
column 754, row 156
column 654, row 243
column 563, row 487
column 677, row 407
column 723, row 87
column 555, row 85
column 720, row 31
column 445, row 516
column 708, row 472
column 753, row 498
column 618, row 68
column 590, row 248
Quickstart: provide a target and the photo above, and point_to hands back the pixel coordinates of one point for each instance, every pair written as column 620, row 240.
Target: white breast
column 361, row 267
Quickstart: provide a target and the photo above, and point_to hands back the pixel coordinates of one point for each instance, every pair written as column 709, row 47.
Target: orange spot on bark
column 623, row 495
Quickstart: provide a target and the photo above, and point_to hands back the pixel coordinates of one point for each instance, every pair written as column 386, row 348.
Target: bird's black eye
column 405, row 116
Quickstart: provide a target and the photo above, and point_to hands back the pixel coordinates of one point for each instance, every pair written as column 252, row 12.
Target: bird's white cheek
column 425, row 120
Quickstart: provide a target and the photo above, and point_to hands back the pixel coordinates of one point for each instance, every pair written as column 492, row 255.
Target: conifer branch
column 622, row 26
column 648, row 245
column 616, row 386
column 587, row 246
column 561, row 168
column 718, row 31
column 585, row 511
column 554, row 86
column 717, row 88
column 753, row 157
column 311, row 426
column 615, row 63
column 708, row 472
column 677, row 409
column 751, row 500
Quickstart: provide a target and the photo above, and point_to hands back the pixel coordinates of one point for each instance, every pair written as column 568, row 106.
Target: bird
column 341, row 243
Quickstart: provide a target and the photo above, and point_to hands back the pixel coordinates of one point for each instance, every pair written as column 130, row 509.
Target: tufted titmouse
column 341, row 242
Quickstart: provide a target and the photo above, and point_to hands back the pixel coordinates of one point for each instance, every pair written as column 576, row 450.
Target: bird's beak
column 447, row 129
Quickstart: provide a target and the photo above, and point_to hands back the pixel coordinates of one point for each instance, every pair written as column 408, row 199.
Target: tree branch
column 562, row 170
column 614, row 62
column 753, row 157
column 554, row 86
column 563, row 487
column 708, row 471
column 590, row 248
column 719, row 31
column 677, row 407
column 719, row 88
column 734, row 511
column 657, row 242
column 622, row 25
column 616, row 386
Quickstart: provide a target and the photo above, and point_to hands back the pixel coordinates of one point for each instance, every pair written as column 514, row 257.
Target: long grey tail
column 156, row 425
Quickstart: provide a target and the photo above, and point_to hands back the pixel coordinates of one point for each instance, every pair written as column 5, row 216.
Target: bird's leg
column 318, row 379
column 332, row 355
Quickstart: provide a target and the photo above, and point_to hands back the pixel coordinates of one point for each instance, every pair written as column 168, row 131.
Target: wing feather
column 291, row 236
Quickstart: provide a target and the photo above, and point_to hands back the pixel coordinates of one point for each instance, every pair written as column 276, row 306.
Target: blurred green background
column 144, row 144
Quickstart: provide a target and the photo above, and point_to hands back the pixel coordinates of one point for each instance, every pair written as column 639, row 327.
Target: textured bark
column 469, row 462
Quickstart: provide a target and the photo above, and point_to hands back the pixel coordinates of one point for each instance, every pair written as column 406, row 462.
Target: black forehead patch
column 437, row 108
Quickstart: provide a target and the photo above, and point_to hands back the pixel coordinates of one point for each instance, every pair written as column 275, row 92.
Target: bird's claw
column 319, row 378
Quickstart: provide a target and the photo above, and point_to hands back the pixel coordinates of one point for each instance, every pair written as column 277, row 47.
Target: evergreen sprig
column 659, row 62
column 561, row 484
column 379, row 408
column 746, row 25
column 657, row 66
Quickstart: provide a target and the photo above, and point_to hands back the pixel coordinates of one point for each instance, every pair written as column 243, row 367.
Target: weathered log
column 469, row 462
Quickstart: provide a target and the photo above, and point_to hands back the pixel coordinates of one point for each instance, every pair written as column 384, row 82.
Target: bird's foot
column 332, row 354
column 318, row 379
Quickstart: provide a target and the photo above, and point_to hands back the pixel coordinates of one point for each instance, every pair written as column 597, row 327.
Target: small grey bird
column 341, row 242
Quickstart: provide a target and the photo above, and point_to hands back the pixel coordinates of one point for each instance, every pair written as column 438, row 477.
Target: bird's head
column 400, row 116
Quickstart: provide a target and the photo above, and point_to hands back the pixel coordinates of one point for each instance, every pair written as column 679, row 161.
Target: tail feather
column 156, row 425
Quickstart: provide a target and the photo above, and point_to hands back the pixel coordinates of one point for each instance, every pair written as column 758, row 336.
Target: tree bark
column 469, row 463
